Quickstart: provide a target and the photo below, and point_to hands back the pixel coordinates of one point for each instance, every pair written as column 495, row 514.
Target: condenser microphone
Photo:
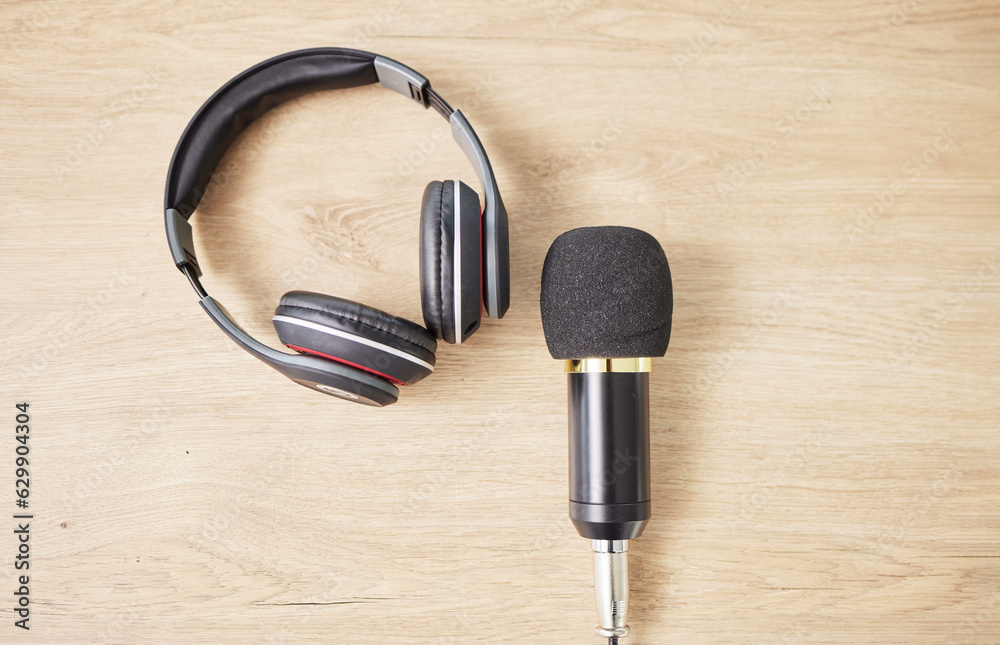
column 606, row 305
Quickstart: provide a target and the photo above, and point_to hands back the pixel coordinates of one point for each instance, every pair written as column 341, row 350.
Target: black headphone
column 348, row 349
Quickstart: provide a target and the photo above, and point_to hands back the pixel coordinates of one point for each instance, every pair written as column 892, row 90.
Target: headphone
column 348, row 349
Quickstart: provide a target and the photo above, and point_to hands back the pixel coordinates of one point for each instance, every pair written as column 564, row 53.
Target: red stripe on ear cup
column 482, row 267
column 337, row 359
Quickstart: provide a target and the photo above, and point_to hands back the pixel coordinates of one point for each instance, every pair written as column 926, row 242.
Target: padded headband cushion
column 243, row 99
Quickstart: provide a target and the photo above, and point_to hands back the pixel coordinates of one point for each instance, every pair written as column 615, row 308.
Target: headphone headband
column 234, row 106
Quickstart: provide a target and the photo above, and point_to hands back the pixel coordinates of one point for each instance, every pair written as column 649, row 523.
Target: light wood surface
column 822, row 176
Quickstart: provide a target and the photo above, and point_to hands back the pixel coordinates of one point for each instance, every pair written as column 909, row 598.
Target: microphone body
column 606, row 304
column 608, row 449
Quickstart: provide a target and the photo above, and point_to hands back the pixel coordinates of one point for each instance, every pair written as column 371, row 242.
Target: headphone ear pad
column 452, row 308
column 356, row 335
column 432, row 236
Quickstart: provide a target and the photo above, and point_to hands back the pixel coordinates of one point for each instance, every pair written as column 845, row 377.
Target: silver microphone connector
column 611, row 587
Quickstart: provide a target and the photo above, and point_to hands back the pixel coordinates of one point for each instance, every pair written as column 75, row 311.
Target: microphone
column 606, row 304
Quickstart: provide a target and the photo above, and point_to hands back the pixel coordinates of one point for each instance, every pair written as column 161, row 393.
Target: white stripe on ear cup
column 308, row 324
column 457, row 266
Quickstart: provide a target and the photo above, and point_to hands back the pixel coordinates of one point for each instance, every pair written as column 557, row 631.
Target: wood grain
column 823, row 177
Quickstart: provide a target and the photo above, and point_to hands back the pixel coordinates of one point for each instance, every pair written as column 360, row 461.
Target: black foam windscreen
column 606, row 293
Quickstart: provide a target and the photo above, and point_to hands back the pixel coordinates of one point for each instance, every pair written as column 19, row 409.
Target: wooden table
column 823, row 177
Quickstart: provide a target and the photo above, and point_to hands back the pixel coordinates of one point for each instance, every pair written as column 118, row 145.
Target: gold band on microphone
column 609, row 365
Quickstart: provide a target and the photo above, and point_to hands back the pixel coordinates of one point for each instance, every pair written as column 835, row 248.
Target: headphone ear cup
column 356, row 335
column 451, row 260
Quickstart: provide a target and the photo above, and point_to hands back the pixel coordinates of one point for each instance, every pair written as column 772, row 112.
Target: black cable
column 613, row 640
